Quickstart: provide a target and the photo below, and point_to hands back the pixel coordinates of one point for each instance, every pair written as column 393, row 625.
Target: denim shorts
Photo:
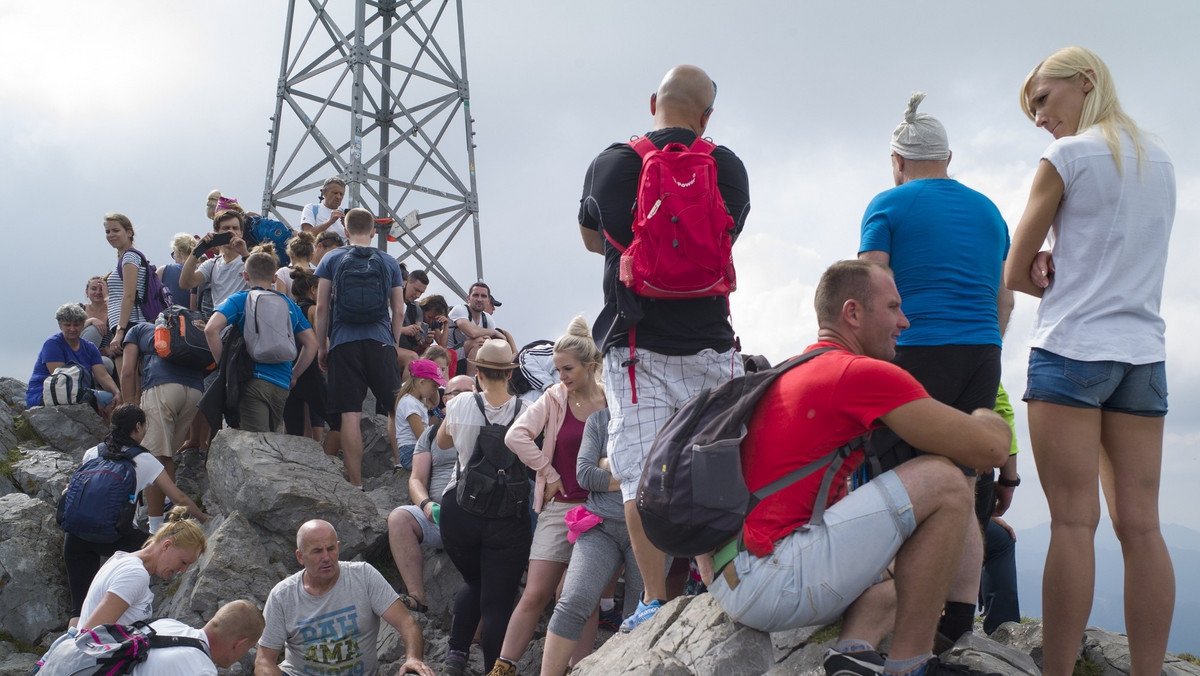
column 1107, row 385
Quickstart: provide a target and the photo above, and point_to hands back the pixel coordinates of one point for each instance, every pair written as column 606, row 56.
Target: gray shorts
column 815, row 574
column 431, row 533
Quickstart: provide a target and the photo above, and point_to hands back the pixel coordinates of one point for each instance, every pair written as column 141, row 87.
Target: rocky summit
column 261, row 487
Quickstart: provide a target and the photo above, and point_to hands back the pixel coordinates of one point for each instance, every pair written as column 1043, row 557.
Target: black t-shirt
column 671, row 327
column 412, row 315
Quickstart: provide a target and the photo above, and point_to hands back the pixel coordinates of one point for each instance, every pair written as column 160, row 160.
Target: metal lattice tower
column 375, row 99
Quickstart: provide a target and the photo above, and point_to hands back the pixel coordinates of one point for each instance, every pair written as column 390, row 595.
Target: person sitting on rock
column 413, row 527
column 349, row 599
column 785, row 572
column 67, row 346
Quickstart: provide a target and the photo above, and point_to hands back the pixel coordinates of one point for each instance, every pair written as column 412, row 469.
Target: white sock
column 607, row 605
column 156, row 522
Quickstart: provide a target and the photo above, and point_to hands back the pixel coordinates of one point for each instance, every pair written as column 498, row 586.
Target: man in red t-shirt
column 793, row 575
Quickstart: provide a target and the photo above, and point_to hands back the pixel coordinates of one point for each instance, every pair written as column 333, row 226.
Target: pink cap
column 224, row 203
column 425, row 368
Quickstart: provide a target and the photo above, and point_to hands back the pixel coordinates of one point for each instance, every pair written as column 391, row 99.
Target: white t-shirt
column 323, row 213
column 463, row 422
column 126, row 576
column 1109, row 240
column 177, row 661
column 408, row 405
column 226, row 278
column 456, row 337
column 284, row 275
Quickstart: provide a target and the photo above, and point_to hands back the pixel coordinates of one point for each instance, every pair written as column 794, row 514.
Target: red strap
column 702, row 145
column 643, row 145
column 616, row 245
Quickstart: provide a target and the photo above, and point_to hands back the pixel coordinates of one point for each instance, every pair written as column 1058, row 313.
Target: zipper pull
column 654, row 209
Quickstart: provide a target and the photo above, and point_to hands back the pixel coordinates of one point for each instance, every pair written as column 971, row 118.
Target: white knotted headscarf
column 920, row 136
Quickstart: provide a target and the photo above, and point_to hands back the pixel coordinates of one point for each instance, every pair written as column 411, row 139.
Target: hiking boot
column 610, row 619
column 858, row 663
column 644, row 612
column 503, row 668
column 456, row 663
column 936, row 667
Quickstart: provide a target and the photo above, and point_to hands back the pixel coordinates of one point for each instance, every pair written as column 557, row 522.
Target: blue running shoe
column 644, row 612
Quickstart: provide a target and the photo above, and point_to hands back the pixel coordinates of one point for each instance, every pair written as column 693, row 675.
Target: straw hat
column 494, row 354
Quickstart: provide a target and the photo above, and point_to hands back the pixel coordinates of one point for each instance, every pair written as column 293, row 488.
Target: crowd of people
column 542, row 481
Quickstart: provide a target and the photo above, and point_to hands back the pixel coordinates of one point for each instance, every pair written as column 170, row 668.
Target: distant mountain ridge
column 1107, row 606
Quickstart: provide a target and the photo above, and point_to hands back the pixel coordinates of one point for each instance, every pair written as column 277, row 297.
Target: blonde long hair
column 1100, row 106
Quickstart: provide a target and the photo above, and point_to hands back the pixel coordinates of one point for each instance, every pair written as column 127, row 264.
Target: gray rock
column 72, row 429
column 278, row 482
column 235, row 566
column 984, row 654
column 33, row 580
column 14, row 663
column 378, row 459
column 691, row 634
column 43, row 473
column 12, row 394
column 1025, row 637
column 784, row 643
column 8, row 430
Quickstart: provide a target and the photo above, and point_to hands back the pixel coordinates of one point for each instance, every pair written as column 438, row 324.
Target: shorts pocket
column 1158, row 379
column 1087, row 373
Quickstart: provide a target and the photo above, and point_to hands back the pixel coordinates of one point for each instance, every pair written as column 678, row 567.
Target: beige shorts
column 169, row 409
column 550, row 537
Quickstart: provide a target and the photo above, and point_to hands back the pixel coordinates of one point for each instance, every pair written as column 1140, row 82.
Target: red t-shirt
column 806, row 413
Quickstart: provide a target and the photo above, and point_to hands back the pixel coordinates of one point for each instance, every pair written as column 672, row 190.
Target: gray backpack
column 268, row 328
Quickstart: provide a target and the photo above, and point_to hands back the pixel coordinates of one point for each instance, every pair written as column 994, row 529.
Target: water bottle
column 162, row 337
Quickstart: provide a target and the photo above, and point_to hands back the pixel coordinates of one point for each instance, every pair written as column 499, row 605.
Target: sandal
column 413, row 604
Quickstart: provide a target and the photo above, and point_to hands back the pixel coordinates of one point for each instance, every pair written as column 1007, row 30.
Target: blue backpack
column 258, row 230
column 361, row 286
column 99, row 503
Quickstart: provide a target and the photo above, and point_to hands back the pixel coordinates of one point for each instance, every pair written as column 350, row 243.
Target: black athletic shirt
column 671, row 327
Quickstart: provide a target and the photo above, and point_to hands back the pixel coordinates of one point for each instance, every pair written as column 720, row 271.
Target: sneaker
column 503, row 668
column 456, row 663
column 610, row 619
column 644, row 612
column 935, row 667
column 859, row 663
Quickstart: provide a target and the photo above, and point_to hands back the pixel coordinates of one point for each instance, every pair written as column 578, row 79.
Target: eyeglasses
column 709, row 109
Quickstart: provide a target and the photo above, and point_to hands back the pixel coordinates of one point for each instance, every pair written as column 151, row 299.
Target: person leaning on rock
column 327, row 615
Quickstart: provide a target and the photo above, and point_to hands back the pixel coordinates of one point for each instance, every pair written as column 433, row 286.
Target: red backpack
column 682, row 234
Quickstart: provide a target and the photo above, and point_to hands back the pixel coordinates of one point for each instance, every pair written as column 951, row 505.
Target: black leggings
column 491, row 555
column 83, row 562
column 309, row 389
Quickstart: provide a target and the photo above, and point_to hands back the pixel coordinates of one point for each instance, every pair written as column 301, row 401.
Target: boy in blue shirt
column 262, row 399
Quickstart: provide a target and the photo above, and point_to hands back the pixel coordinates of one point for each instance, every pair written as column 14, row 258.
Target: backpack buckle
column 630, row 362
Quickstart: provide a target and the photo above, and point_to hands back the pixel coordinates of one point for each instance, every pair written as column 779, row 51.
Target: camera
column 435, row 324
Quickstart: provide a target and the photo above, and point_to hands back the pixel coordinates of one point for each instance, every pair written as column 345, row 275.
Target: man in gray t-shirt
column 327, row 615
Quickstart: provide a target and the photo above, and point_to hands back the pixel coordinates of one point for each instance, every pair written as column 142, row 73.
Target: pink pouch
column 580, row 520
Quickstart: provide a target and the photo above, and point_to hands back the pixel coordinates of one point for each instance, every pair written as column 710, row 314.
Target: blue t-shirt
column 234, row 309
column 947, row 245
column 340, row 332
column 56, row 349
column 156, row 370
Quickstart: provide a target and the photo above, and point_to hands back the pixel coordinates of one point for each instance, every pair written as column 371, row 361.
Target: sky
column 143, row 107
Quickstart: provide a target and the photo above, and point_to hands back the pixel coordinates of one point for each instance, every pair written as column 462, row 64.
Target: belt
column 724, row 556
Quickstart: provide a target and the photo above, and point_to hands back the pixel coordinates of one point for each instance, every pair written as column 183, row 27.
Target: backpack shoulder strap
column 643, row 145
column 161, row 641
column 479, row 402
column 702, row 145
column 516, row 411
column 316, row 210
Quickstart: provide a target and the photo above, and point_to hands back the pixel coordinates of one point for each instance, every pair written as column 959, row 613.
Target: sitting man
column 328, row 614
column 411, row 527
column 793, row 574
column 229, row 635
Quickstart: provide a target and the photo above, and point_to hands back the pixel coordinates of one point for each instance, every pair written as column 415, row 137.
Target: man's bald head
column 684, row 98
column 317, row 527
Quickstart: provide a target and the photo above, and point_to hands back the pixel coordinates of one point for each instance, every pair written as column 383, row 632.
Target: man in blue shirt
column 262, row 400
column 361, row 349
column 946, row 245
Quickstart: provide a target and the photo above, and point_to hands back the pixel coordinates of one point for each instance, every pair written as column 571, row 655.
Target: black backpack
column 693, row 497
column 99, row 502
column 362, row 287
column 179, row 338
column 109, row 649
column 495, row 483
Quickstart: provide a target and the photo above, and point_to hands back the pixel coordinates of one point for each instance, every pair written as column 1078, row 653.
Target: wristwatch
column 1009, row 483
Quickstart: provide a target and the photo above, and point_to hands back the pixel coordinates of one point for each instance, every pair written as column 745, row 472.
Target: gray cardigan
column 601, row 501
